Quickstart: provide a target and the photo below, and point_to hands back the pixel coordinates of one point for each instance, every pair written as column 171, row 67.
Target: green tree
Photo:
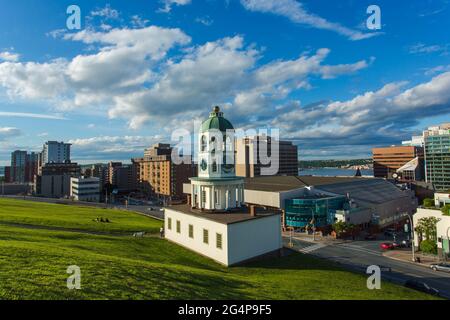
column 426, row 229
column 341, row 227
column 428, row 202
column 446, row 209
column 428, row 246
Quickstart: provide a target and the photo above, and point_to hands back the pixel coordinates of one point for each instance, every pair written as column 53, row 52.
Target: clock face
column 203, row 165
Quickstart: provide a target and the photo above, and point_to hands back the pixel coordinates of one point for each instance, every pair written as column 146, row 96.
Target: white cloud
column 421, row 48
column 106, row 12
column 32, row 115
column 111, row 147
column 207, row 21
column 168, row 4
column 296, row 12
column 9, row 56
column 8, row 132
column 130, row 76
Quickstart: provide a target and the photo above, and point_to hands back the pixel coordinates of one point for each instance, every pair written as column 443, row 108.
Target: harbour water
column 331, row 172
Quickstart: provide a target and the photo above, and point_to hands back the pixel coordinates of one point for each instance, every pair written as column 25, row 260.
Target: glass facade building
column 437, row 160
column 300, row 212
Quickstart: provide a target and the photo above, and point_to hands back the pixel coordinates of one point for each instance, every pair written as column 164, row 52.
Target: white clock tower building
column 216, row 188
column 215, row 222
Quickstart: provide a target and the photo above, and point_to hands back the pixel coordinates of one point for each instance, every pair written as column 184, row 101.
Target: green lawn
column 73, row 217
column 33, row 264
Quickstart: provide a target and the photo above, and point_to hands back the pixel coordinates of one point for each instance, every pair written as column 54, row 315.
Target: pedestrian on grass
column 161, row 232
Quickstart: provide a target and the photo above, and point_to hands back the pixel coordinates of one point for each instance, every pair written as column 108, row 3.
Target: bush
column 428, row 246
column 428, row 202
column 446, row 209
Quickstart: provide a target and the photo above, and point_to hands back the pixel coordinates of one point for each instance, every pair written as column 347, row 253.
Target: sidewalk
column 406, row 256
column 309, row 238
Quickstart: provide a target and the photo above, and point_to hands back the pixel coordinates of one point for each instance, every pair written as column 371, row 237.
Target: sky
column 138, row 70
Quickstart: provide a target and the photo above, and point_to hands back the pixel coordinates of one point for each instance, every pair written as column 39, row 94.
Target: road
column 358, row 255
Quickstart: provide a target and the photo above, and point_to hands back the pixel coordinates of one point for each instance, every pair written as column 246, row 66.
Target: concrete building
column 416, row 141
column 214, row 223
column 441, row 199
column 55, row 152
column 158, row 176
column 283, row 156
column 386, row 161
column 85, row 189
column 437, row 156
column 53, row 181
column 442, row 228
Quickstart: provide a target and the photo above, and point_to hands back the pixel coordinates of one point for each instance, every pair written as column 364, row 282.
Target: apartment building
column 85, row 189
column 437, row 156
column 157, row 175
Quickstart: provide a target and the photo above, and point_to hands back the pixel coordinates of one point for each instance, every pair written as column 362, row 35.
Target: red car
column 387, row 246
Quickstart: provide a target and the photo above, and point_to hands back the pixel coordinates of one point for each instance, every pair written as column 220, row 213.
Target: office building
column 85, row 189
column 53, row 180
column 387, row 161
column 55, row 152
column 214, row 223
column 249, row 153
column 18, row 166
column 437, row 156
column 156, row 174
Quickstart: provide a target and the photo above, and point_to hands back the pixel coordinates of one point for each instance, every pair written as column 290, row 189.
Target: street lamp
column 412, row 237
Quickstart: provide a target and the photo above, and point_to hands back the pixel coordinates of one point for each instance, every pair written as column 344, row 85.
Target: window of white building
column 205, row 236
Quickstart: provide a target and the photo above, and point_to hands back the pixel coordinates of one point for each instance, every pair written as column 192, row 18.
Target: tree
column 428, row 202
column 426, row 228
column 341, row 227
column 446, row 209
column 428, row 246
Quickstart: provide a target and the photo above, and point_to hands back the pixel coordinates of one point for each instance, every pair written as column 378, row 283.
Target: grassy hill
column 33, row 263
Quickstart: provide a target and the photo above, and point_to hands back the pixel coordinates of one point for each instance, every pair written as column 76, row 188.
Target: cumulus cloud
column 106, row 12
column 111, row 147
column 381, row 117
column 131, row 76
column 8, row 132
column 295, row 11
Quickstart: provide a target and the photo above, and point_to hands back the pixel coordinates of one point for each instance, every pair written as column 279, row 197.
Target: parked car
column 421, row 286
column 387, row 246
column 370, row 237
column 441, row 267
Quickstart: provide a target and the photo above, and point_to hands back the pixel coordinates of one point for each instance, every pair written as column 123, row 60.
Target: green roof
column 216, row 121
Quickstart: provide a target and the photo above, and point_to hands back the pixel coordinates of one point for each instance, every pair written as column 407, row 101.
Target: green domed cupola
column 216, row 121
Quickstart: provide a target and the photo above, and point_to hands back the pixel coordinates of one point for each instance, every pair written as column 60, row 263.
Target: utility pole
column 412, row 237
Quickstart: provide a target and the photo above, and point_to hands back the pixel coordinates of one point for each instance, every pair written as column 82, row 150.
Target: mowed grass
column 33, row 264
column 73, row 217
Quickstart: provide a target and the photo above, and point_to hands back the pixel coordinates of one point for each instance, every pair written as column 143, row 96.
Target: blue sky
column 137, row 70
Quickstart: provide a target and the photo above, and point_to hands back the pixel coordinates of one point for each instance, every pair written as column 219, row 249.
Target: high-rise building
column 18, row 166
column 120, row 176
column 55, row 152
column 157, row 175
column 387, row 161
column 437, row 156
column 8, row 174
column 250, row 150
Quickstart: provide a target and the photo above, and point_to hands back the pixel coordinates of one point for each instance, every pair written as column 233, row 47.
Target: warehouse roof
column 286, row 183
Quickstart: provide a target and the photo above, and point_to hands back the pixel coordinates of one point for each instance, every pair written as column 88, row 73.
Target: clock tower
column 217, row 188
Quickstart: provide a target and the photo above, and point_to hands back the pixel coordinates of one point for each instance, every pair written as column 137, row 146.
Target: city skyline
column 135, row 72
